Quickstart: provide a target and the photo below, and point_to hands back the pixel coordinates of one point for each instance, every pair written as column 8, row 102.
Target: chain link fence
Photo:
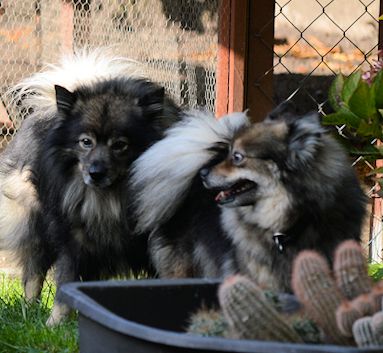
column 178, row 40
column 314, row 41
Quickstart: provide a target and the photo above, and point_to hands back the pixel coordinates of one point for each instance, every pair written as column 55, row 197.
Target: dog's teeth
column 220, row 196
column 224, row 197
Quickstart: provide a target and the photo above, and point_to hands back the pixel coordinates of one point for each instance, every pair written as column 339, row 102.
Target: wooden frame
column 244, row 78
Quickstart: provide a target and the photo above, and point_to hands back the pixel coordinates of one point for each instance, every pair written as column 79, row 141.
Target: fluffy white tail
column 162, row 175
column 82, row 68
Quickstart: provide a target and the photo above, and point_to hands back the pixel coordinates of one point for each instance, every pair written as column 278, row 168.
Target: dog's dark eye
column 86, row 142
column 237, row 158
column 119, row 146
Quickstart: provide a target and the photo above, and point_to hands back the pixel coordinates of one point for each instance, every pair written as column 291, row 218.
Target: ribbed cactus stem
column 377, row 296
column 346, row 315
column 377, row 324
column 249, row 313
column 364, row 304
column 350, row 270
column 364, row 334
column 316, row 289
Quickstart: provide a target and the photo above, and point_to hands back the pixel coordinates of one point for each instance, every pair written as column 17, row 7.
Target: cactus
column 377, row 324
column 208, row 322
column 316, row 289
column 250, row 314
column 377, row 296
column 346, row 315
column 306, row 329
column 340, row 303
column 364, row 304
column 350, row 270
column 364, row 334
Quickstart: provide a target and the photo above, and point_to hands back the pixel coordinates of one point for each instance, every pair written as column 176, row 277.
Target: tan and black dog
column 271, row 189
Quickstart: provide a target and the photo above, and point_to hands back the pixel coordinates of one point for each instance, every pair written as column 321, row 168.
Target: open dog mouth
column 228, row 195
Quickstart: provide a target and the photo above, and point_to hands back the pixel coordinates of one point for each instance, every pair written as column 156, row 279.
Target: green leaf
column 362, row 101
column 373, row 129
column 380, row 17
column 378, row 88
column 342, row 116
column 375, row 271
column 335, row 92
column 350, row 85
column 367, row 151
column 376, row 171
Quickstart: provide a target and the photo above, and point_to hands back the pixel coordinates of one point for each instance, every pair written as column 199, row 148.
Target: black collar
column 285, row 238
column 281, row 240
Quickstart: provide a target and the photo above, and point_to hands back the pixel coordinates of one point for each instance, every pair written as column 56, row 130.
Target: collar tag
column 279, row 240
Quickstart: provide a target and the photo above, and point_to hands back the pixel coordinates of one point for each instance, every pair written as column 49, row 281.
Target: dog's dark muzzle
column 227, row 193
column 98, row 172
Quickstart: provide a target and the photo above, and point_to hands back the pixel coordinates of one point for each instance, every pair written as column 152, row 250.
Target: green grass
column 22, row 325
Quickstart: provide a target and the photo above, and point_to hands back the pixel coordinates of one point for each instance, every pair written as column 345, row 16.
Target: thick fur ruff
column 188, row 146
column 83, row 68
column 64, row 178
column 36, row 94
column 282, row 186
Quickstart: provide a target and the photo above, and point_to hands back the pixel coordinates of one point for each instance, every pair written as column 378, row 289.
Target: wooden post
column 238, row 55
column 232, row 53
column 260, row 59
column 245, row 57
column 223, row 59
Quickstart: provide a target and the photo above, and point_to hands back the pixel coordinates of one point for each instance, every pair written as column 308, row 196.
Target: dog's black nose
column 204, row 172
column 97, row 172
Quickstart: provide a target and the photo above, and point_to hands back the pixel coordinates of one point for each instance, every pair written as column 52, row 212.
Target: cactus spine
column 377, row 296
column 346, row 315
column 364, row 304
column 250, row 315
column 377, row 325
column 208, row 322
column 350, row 270
column 316, row 289
column 364, row 333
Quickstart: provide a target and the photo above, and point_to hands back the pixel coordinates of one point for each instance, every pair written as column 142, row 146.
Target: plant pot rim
column 75, row 295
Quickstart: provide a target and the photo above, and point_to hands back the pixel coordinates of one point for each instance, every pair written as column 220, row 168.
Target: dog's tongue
column 224, row 196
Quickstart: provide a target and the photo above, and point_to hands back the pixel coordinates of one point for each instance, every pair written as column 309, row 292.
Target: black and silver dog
column 228, row 196
column 64, row 201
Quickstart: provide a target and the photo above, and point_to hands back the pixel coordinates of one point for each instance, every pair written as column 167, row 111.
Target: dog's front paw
column 58, row 313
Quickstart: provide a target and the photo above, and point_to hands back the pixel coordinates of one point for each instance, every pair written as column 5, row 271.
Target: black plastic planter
column 149, row 316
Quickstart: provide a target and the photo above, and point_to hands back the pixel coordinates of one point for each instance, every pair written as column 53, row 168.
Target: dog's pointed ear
column 64, row 99
column 284, row 110
column 152, row 100
column 155, row 95
column 304, row 139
